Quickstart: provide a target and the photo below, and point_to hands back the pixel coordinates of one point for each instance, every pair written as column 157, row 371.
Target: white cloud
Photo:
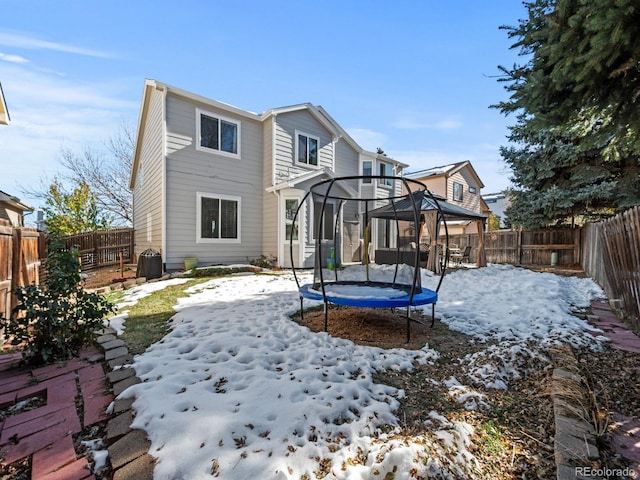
column 48, row 112
column 367, row 139
column 28, row 41
column 12, row 58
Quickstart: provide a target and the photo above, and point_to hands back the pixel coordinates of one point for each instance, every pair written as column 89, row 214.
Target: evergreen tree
column 576, row 143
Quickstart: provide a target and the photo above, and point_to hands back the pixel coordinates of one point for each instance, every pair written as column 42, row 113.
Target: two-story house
column 221, row 184
column 459, row 184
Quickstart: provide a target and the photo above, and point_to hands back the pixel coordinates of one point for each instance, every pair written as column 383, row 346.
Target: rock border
column 128, row 448
column 575, row 437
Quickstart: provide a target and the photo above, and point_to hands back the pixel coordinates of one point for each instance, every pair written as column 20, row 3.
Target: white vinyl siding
column 286, row 126
column 147, row 192
column 190, row 170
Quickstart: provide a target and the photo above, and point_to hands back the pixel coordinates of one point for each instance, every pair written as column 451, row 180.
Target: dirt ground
column 108, row 275
column 515, row 436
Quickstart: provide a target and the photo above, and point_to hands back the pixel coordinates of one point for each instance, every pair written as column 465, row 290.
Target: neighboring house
column 12, row 209
column 221, row 184
column 459, row 184
column 497, row 203
column 4, row 111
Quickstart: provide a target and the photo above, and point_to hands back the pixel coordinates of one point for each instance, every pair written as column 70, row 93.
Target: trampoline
column 394, row 220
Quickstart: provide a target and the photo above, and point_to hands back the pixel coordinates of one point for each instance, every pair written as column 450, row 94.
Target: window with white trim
column 307, row 149
column 367, row 170
column 457, row 191
column 290, row 207
column 217, row 134
column 386, row 171
column 218, row 218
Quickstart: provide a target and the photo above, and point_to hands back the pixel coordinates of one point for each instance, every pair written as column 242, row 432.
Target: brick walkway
column 626, row 436
column 46, row 432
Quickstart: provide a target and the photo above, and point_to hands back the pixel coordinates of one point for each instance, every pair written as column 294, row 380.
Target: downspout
column 163, row 207
column 280, row 249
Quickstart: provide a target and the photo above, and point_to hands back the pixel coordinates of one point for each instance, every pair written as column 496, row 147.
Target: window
column 326, row 227
column 307, row 149
column 472, row 189
column 367, row 171
column 384, row 233
column 457, row 191
column 291, row 205
column 218, row 218
column 385, row 171
column 149, row 230
column 216, row 133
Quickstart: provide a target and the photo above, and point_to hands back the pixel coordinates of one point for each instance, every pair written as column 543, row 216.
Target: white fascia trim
column 163, row 207
column 208, row 101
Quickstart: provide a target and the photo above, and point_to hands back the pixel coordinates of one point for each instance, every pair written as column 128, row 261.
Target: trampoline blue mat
column 420, row 297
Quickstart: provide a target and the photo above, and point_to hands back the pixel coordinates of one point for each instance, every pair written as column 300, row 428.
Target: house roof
column 319, row 175
column 446, row 170
column 14, row 202
column 4, row 111
column 316, row 111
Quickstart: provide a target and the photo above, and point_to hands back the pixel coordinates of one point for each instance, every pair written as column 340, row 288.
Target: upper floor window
column 217, row 134
column 367, row 171
column 385, row 171
column 307, row 149
column 457, row 191
column 472, row 190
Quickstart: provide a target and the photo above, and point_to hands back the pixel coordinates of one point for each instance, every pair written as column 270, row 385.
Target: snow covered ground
column 237, row 390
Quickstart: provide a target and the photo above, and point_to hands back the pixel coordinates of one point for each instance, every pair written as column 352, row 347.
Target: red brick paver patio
column 47, row 432
column 626, row 436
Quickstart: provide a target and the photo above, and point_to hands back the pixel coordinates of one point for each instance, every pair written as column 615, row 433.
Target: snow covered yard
column 238, row 390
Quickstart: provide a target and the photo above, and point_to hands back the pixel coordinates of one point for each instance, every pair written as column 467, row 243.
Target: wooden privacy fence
column 102, row 247
column 526, row 247
column 21, row 252
column 611, row 256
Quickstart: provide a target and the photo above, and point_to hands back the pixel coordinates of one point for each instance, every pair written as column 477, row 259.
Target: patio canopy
column 405, row 208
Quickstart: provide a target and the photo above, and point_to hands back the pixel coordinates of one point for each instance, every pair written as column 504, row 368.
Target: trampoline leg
column 433, row 314
column 301, row 310
column 326, row 315
column 408, row 329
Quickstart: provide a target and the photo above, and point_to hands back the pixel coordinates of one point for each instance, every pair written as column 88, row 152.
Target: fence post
column 16, row 264
column 518, row 258
column 96, row 249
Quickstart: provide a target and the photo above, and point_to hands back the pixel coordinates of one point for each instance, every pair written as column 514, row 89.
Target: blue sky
column 415, row 78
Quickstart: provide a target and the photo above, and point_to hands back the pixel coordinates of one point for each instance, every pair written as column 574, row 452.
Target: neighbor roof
column 4, row 111
column 14, row 202
column 446, row 170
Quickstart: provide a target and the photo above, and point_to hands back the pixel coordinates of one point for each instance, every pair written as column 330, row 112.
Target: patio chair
column 462, row 257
